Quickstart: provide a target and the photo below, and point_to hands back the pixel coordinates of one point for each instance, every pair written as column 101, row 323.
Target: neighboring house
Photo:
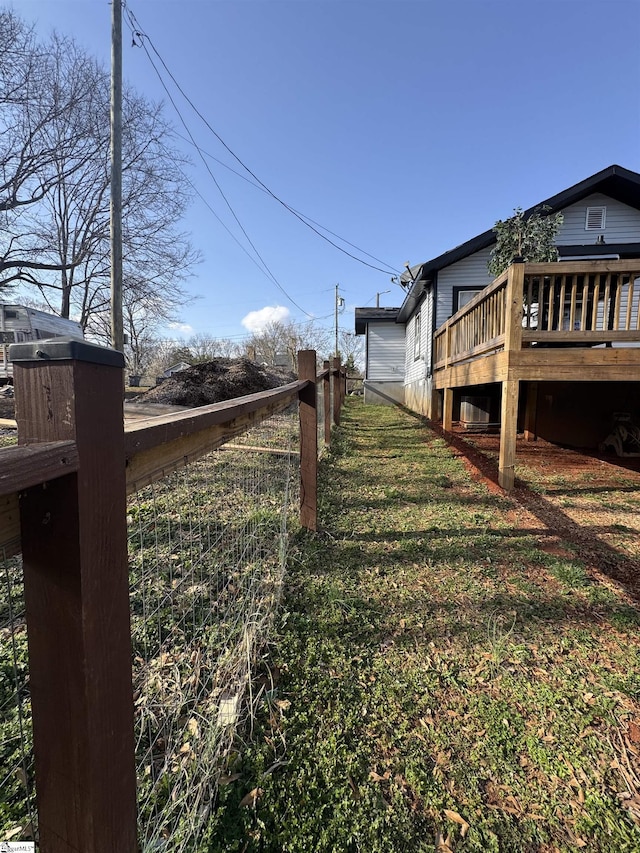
column 384, row 354
column 175, row 368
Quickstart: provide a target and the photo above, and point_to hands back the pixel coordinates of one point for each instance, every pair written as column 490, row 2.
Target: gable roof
column 614, row 181
column 374, row 315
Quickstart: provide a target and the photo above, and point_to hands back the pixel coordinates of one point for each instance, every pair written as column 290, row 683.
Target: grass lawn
column 438, row 680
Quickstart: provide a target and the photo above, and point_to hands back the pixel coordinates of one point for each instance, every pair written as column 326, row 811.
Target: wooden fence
column 63, row 497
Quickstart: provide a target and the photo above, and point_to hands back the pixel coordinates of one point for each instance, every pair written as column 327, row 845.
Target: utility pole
column 117, row 331
column 378, row 295
column 339, row 304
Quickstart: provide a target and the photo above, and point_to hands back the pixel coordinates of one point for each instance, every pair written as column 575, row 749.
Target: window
column 464, row 295
column 595, row 219
column 10, row 315
column 416, row 337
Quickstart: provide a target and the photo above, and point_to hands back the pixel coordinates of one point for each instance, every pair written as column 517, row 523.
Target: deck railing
column 570, row 303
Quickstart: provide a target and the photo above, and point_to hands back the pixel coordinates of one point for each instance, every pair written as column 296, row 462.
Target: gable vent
column 595, row 219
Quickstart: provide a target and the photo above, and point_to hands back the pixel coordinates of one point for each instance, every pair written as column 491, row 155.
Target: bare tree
column 279, row 342
column 58, row 242
column 207, row 348
column 351, row 348
column 39, row 102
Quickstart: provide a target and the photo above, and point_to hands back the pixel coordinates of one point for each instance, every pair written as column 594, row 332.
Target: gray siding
column 385, row 352
column 622, row 223
column 469, row 272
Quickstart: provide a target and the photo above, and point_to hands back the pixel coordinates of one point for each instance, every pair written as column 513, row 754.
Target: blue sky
column 404, row 127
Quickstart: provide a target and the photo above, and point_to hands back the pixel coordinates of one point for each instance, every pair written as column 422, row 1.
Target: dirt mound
column 214, row 381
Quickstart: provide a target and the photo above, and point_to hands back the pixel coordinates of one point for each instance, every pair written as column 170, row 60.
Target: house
column 464, row 334
column 175, row 368
column 384, row 354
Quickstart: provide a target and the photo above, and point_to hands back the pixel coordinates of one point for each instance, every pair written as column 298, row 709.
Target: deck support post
column 531, row 413
column 308, row 441
column 447, row 410
column 510, row 387
column 508, row 432
column 434, row 412
column 74, row 546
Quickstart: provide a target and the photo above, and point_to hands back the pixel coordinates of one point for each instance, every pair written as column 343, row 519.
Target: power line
column 258, row 186
column 137, row 31
column 206, row 165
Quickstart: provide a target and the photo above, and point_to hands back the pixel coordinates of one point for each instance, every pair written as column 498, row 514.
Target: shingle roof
column 374, row 315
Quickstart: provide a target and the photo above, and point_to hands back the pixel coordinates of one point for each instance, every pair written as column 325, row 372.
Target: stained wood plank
column 159, row 459
column 23, row 467
column 142, row 436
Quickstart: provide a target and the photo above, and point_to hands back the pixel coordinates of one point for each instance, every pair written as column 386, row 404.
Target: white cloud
column 257, row 321
column 181, row 328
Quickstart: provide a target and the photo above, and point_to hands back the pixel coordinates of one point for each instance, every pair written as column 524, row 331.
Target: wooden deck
column 576, row 321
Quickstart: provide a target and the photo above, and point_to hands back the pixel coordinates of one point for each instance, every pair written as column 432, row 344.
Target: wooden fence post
column 326, row 388
column 335, row 369
column 74, row 546
column 308, row 441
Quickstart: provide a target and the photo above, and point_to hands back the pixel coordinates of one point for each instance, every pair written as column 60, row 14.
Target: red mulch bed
column 583, row 501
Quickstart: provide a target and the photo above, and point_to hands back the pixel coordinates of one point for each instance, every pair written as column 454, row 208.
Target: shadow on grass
column 595, row 553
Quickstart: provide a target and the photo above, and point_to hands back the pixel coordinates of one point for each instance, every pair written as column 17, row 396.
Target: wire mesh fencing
column 17, row 793
column 207, row 552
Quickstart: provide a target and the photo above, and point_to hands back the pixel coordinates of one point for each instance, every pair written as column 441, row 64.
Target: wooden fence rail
column 63, row 504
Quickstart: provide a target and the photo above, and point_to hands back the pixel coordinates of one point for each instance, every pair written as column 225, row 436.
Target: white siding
column 469, row 272
column 622, row 223
column 385, row 352
column 417, row 384
column 412, row 367
column 415, row 368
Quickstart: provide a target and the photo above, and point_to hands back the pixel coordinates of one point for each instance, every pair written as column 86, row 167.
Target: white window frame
column 417, row 329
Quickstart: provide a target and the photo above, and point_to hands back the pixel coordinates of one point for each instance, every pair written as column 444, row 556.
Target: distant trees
column 277, row 344
column 531, row 238
column 351, row 350
column 54, row 189
column 281, row 341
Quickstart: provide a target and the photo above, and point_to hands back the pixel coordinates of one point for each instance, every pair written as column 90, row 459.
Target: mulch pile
column 214, row 381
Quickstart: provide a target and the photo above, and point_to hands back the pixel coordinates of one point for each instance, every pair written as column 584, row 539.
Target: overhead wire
column 270, row 274
column 138, row 31
column 293, row 209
